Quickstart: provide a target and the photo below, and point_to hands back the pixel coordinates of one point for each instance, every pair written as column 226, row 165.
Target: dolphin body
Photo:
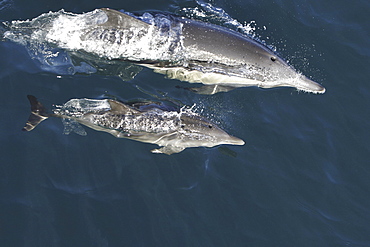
column 180, row 48
column 141, row 121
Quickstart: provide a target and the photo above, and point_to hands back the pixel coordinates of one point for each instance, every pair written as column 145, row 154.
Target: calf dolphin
column 178, row 47
column 141, row 121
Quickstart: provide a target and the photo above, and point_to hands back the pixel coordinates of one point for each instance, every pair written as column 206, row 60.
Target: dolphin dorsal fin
column 119, row 20
column 120, row 108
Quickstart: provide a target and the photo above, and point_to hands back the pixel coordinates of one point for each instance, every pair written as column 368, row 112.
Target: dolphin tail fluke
column 38, row 114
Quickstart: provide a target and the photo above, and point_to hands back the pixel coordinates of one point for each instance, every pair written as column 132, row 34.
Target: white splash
column 78, row 32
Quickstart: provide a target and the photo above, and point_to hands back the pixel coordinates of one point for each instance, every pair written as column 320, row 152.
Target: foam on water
column 209, row 13
column 79, row 32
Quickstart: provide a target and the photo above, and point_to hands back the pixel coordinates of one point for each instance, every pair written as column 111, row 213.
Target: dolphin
column 146, row 122
column 178, row 47
column 218, row 57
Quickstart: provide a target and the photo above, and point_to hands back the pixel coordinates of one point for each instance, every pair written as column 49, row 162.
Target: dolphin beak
column 308, row 85
column 232, row 140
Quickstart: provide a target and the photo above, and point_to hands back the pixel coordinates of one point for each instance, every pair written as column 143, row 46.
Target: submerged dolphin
column 178, row 47
column 146, row 122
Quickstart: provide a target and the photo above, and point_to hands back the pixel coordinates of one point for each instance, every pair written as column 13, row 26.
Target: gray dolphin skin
column 221, row 57
column 143, row 121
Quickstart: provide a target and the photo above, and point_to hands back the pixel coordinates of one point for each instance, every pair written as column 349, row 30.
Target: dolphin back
column 220, row 43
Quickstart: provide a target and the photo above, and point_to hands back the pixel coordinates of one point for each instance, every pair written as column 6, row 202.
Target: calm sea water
column 302, row 179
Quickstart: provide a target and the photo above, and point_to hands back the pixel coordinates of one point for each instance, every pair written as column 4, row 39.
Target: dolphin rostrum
column 180, row 48
column 141, row 121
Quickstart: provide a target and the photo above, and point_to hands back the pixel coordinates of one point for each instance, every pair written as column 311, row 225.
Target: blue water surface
column 301, row 179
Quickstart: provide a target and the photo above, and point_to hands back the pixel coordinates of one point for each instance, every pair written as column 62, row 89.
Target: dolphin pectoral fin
column 168, row 150
column 118, row 20
column 209, row 89
column 72, row 125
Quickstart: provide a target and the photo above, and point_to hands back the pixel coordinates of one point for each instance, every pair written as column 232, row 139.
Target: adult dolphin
column 178, row 47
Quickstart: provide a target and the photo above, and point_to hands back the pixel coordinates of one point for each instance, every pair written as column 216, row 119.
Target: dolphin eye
column 210, row 126
column 273, row 59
